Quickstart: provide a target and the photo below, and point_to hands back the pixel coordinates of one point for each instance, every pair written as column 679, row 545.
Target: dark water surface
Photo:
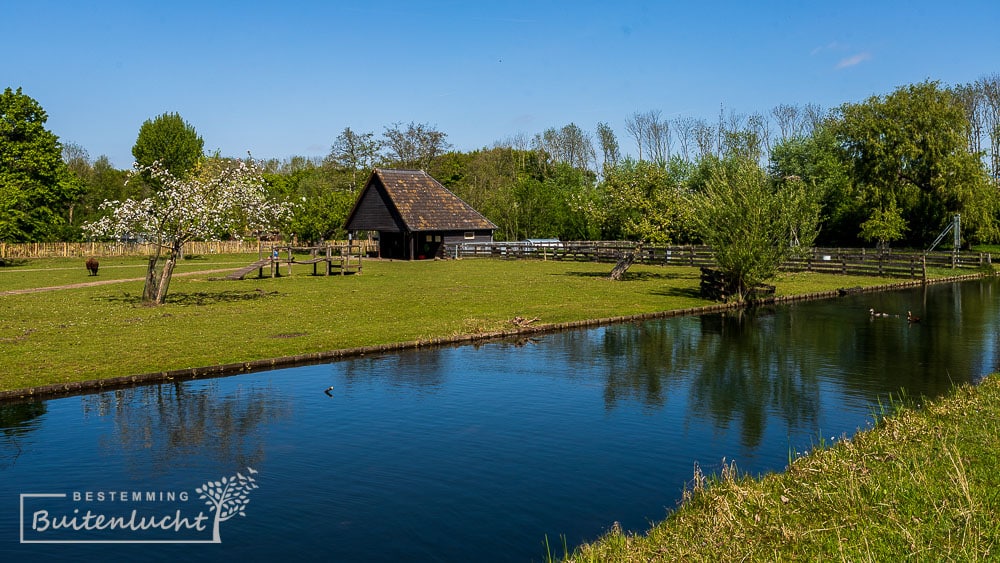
column 479, row 452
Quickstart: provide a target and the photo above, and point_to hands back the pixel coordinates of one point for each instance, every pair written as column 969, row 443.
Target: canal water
column 477, row 452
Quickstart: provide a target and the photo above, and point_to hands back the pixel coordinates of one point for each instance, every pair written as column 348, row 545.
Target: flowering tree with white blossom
column 230, row 200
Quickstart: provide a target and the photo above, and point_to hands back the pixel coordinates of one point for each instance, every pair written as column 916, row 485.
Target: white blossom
column 233, row 201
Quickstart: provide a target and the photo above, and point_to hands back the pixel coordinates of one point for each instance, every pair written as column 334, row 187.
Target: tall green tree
column 322, row 202
column 609, row 144
column 356, row 153
column 36, row 188
column 105, row 182
column 909, row 150
column 574, row 199
column 569, row 144
column 751, row 223
column 507, row 185
column 646, row 201
column 415, row 145
column 172, row 142
column 817, row 161
column 99, row 181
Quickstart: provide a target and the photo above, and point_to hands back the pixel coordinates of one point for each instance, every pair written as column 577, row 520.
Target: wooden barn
column 414, row 215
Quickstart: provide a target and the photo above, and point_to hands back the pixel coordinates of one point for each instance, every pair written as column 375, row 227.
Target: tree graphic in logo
column 227, row 497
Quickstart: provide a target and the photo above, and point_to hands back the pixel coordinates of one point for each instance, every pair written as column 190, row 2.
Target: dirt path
column 101, row 282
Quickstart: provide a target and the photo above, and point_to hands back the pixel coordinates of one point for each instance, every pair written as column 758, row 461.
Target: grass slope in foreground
column 923, row 485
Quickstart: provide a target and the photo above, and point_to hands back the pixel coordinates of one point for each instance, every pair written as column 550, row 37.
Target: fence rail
column 856, row 261
column 830, row 260
column 102, row 249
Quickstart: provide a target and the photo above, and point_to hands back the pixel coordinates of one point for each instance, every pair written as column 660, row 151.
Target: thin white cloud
column 853, row 60
column 832, row 46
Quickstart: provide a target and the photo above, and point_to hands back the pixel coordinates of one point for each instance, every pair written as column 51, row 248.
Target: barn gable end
column 374, row 209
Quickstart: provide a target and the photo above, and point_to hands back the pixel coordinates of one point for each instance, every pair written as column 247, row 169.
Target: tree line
column 891, row 169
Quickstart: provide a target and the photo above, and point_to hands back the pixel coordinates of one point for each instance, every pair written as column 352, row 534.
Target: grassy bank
column 922, row 485
column 103, row 331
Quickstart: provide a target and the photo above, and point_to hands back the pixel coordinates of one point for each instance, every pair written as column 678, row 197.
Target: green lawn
column 99, row 332
column 48, row 272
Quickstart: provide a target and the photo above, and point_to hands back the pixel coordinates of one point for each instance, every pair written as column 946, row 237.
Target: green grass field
column 104, row 331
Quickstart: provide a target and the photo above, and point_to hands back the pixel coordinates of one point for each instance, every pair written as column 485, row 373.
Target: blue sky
column 284, row 78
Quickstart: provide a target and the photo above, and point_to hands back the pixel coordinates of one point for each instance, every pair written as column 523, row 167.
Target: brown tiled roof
column 425, row 205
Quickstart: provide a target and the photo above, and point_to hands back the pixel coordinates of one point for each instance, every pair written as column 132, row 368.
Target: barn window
column 430, row 238
column 470, row 235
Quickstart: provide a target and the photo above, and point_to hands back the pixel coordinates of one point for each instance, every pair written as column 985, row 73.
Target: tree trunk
column 625, row 263
column 149, row 291
column 168, row 270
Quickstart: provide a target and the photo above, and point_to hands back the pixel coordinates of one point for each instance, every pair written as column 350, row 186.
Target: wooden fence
column 893, row 263
column 585, row 251
column 102, row 249
column 831, row 260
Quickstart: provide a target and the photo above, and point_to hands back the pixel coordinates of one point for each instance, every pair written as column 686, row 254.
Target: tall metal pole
column 958, row 232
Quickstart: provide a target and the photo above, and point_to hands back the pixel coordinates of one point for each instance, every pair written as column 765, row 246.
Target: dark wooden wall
column 373, row 213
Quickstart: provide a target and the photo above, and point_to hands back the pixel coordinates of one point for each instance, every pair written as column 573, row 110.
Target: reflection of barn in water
column 414, row 215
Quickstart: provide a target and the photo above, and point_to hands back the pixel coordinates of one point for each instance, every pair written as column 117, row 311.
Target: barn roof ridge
column 423, row 203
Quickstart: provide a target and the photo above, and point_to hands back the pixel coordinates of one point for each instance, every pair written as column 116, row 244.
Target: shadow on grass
column 689, row 292
column 635, row 276
column 197, row 297
column 12, row 262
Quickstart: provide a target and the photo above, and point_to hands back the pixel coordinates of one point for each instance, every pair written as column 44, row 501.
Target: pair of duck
column 909, row 315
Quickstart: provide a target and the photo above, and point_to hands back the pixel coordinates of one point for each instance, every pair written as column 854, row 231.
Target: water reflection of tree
column 752, row 369
column 738, row 366
column 955, row 342
column 743, row 367
column 166, row 423
column 646, row 360
column 424, row 369
column 16, row 421
column 967, row 315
